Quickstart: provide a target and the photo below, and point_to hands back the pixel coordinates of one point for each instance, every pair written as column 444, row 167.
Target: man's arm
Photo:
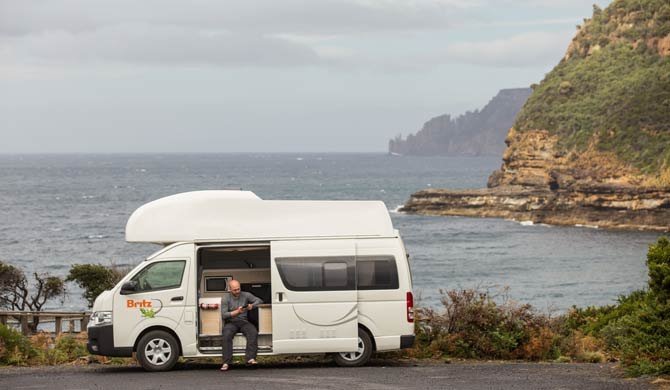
column 225, row 314
column 252, row 299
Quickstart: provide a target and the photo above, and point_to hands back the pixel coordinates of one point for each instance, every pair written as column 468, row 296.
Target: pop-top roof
column 241, row 215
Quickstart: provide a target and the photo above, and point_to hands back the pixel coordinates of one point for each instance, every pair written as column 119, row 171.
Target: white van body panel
column 177, row 315
column 216, row 216
column 312, row 321
column 383, row 312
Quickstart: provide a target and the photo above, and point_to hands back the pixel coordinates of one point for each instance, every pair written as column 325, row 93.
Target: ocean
column 60, row 210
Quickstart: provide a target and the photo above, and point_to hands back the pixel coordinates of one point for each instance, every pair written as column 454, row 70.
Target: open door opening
column 217, row 265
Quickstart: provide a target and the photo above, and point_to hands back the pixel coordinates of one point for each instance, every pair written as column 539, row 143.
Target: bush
column 637, row 329
column 15, row 348
column 658, row 262
column 94, row 279
column 473, row 325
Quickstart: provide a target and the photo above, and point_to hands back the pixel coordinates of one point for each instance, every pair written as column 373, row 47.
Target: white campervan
column 333, row 275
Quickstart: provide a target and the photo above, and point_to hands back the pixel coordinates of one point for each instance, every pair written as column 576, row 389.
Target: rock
column 536, row 183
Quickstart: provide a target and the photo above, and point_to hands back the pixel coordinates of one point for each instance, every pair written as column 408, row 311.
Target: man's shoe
column 225, row 367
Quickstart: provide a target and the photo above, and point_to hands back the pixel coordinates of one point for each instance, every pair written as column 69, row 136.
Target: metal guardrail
column 23, row 318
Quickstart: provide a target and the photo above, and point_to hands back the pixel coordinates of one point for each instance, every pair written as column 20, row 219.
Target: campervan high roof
column 209, row 216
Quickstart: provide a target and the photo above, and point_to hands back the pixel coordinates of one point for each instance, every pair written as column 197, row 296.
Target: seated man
column 234, row 308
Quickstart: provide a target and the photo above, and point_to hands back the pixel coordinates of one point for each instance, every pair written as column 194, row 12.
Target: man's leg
column 229, row 330
column 251, row 334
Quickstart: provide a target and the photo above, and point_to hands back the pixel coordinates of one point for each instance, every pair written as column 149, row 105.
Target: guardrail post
column 84, row 322
column 59, row 325
column 24, row 325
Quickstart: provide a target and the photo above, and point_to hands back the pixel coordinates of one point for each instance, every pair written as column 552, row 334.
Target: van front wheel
column 360, row 356
column 157, row 351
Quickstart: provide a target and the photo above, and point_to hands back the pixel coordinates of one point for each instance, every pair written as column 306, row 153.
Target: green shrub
column 71, row 348
column 15, row 349
column 637, row 329
column 94, row 279
column 658, row 262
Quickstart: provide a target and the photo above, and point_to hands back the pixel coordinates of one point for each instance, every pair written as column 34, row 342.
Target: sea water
column 60, row 210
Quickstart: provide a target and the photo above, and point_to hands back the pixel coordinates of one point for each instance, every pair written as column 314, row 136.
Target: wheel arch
column 372, row 336
column 158, row 327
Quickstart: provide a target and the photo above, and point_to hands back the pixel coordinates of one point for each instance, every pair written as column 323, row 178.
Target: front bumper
column 101, row 342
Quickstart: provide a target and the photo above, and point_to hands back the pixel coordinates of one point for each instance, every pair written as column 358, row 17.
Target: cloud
column 261, row 16
column 523, row 50
column 213, row 32
column 159, row 45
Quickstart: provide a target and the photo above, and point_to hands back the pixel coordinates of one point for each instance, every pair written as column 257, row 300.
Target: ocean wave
column 396, row 210
column 96, row 236
column 587, row 226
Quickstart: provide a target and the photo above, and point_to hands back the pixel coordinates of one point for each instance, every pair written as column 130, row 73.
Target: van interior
column 217, row 265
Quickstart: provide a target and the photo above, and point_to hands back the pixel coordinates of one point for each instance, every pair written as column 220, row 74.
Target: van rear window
column 376, row 273
column 317, row 273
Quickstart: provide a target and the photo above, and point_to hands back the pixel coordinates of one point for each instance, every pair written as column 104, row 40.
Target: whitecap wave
column 526, row 223
column 396, row 210
column 587, row 226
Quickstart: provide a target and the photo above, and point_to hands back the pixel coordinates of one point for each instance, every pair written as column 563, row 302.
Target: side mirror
column 129, row 287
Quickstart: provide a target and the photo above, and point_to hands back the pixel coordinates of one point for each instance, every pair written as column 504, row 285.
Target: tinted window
column 317, row 273
column 376, row 273
column 160, row 276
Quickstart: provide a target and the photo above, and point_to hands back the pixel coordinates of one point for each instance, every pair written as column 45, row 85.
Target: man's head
column 234, row 288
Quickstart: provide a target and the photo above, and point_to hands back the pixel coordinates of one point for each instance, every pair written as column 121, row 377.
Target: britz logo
column 133, row 303
column 148, row 308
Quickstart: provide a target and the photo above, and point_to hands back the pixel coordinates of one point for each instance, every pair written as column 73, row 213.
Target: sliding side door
column 314, row 298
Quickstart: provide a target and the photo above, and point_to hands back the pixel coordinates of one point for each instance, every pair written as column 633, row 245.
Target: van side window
column 160, row 276
column 317, row 273
column 376, row 273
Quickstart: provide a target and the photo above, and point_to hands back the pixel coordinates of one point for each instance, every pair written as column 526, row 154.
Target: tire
column 157, row 351
column 357, row 358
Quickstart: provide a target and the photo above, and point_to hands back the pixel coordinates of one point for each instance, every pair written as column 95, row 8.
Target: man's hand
column 237, row 311
column 249, row 307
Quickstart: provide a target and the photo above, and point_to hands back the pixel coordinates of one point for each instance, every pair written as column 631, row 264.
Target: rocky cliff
column 475, row 133
column 592, row 144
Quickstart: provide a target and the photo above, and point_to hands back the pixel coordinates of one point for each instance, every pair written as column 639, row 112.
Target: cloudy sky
column 261, row 76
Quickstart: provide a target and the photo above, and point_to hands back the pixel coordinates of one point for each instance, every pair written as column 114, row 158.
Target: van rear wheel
column 157, row 351
column 359, row 357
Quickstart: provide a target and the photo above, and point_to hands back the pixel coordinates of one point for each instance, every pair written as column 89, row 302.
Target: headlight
column 101, row 318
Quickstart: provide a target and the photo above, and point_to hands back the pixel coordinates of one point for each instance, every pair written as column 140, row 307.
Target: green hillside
column 612, row 89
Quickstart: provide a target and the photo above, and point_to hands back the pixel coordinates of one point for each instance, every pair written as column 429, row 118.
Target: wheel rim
column 353, row 356
column 158, row 351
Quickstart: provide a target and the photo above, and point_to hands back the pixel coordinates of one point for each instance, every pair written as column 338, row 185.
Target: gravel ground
column 311, row 375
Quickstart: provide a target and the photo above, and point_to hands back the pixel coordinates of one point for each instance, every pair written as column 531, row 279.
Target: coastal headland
column 591, row 145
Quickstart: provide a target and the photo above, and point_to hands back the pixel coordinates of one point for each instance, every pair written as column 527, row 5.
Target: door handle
column 175, row 299
column 280, row 296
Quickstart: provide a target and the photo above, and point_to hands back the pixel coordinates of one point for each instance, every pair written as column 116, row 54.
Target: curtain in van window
column 317, row 273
